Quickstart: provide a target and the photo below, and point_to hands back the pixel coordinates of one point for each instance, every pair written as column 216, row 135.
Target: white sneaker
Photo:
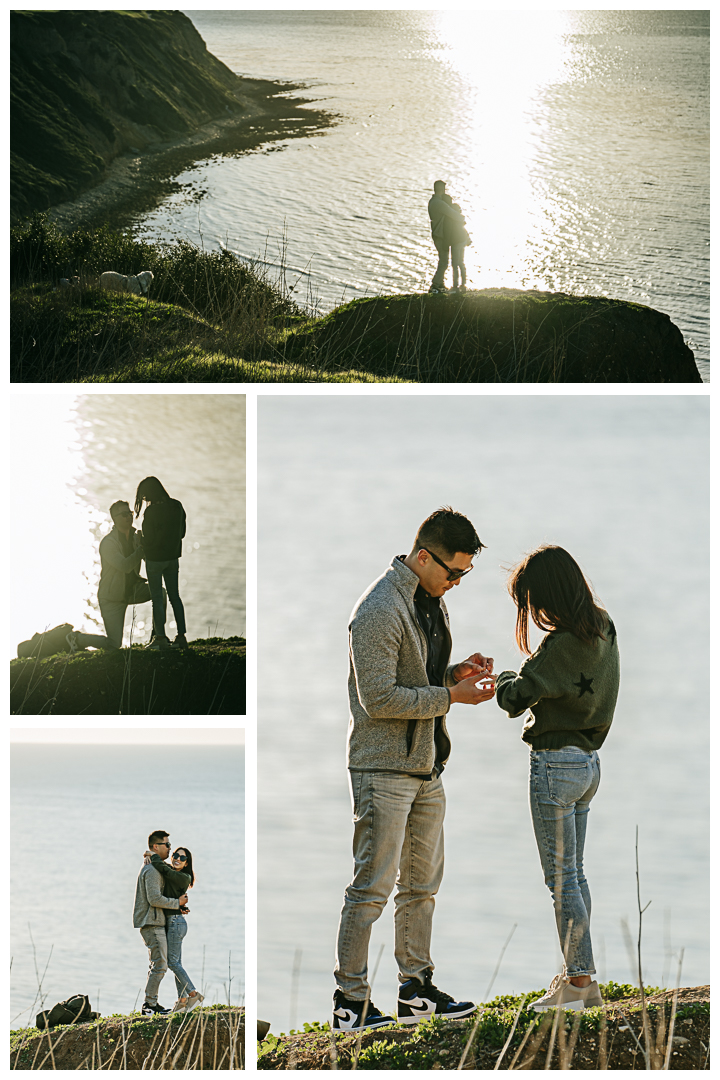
column 193, row 1000
column 562, row 994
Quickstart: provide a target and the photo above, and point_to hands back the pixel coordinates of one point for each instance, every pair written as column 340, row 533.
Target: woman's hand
column 467, row 693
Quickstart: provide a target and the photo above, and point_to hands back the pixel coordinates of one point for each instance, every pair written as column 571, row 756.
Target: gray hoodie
column 149, row 900
column 392, row 705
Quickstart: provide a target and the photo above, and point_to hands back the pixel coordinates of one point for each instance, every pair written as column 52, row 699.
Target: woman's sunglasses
column 179, row 857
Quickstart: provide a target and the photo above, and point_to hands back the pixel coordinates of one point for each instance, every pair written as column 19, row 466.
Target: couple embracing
column 159, row 914
column 401, row 687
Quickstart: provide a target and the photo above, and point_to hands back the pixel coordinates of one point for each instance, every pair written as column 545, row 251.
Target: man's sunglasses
column 453, row 575
column 180, row 858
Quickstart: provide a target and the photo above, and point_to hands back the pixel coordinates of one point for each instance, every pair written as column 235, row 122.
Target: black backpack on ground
column 73, row 1010
column 52, row 641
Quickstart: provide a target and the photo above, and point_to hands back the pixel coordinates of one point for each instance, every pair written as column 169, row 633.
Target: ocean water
column 576, row 143
column 82, row 452
column 80, row 819
column 622, row 483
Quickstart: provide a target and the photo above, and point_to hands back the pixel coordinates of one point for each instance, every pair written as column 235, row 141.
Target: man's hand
column 477, row 665
column 182, row 900
column 468, row 693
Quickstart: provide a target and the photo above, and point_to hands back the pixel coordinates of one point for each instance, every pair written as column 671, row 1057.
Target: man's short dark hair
column 157, row 837
column 439, row 186
column 446, row 532
column 119, row 505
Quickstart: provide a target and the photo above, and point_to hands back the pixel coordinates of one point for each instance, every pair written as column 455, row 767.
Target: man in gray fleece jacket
column 401, row 687
column 149, row 919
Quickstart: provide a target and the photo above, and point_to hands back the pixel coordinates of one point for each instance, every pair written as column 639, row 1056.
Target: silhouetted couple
column 121, row 552
column 121, row 586
column 450, row 238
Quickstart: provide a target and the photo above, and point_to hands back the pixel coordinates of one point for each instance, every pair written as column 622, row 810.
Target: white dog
column 121, row 283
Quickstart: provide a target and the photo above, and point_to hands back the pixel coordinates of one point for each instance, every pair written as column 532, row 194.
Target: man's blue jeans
column 176, row 931
column 443, row 250
column 168, row 570
column 562, row 783
column 398, row 840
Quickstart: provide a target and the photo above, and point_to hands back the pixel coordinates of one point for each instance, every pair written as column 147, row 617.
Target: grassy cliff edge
column 503, row 1034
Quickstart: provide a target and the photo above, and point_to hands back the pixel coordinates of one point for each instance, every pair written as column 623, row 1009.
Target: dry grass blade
column 566, row 1061
column 366, row 1005
column 512, row 1032
column 468, row 1044
column 602, row 1051
column 536, row 1041
column 671, row 1032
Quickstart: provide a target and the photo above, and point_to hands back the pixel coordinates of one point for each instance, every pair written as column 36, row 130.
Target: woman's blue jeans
column 168, row 569
column 562, row 783
column 176, row 931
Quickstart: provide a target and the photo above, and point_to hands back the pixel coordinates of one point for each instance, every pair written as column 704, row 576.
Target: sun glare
column 504, row 59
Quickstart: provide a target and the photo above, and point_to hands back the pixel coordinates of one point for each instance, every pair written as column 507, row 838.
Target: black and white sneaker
column 347, row 1015
column 418, row 999
column 153, row 1010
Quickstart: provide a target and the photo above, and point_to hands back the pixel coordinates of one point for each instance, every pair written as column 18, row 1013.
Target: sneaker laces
column 557, row 982
column 438, row 996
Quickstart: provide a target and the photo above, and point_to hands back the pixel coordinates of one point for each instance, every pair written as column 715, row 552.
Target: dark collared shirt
column 432, row 622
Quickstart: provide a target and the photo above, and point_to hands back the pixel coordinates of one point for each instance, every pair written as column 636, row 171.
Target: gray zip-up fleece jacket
column 149, row 900
column 570, row 687
column 392, row 705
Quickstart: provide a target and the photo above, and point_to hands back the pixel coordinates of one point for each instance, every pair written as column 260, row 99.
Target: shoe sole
column 365, row 1027
column 410, row 1020
column 576, row 1005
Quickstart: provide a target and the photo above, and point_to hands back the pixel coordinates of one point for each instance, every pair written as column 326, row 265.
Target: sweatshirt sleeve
column 174, row 877
column 538, row 678
column 375, row 640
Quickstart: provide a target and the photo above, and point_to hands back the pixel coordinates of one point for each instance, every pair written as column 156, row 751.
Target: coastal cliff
column 208, row 678
column 89, row 88
column 496, row 335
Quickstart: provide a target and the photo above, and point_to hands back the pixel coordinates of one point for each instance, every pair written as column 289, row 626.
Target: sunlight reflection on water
column 82, row 452
column 576, row 143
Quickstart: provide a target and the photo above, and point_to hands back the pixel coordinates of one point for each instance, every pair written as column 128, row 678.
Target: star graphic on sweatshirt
column 585, row 685
column 612, row 631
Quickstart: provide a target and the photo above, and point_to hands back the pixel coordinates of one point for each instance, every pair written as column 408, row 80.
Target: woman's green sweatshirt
column 175, row 882
column 570, row 687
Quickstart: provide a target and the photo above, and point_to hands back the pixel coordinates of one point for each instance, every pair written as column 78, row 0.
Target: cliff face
column 87, row 86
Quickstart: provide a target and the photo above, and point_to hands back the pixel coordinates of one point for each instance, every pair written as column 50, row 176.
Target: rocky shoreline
column 134, row 184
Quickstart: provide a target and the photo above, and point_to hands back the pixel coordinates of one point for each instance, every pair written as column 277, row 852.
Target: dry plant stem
column 668, row 1049
column 551, row 1045
column 536, row 1042
column 602, row 1051
column 573, row 1040
column 512, row 1032
column 333, row 1049
column 468, row 1044
column 521, row 1047
column 366, row 1005
column 648, row 1051
column 499, row 962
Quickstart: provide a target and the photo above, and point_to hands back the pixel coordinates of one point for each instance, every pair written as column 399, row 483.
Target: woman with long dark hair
column 570, row 684
column 177, row 879
column 163, row 528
